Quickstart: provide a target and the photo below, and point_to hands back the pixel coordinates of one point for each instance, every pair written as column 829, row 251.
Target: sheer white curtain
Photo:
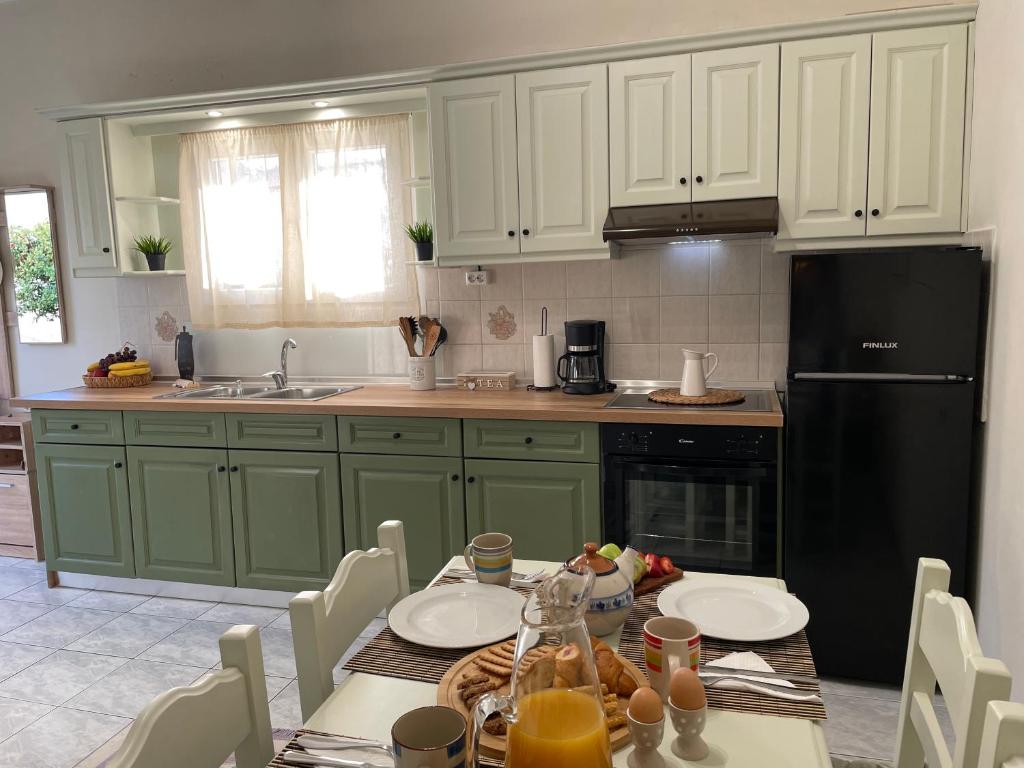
column 298, row 225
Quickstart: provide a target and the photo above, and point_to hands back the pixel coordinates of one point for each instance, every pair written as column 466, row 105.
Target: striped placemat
column 278, row 761
column 391, row 656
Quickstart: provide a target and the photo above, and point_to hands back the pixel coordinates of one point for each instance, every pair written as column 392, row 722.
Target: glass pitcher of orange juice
column 554, row 713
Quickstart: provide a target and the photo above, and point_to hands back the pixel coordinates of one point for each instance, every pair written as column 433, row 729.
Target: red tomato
column 666, row 565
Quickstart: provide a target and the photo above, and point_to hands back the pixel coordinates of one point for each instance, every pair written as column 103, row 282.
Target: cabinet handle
column 528, row 440
column 74, row 426
column 234, row 469
column 222, row 469
column 511, row 233
column 6, row 485
column 470, row 479
column 118, row 465
column 858, row 213
column 396, row 435
column 700, row 179
column 526, row 233
column 682, row 180
column 454, row 478
column 106, row 250
column 874, row 211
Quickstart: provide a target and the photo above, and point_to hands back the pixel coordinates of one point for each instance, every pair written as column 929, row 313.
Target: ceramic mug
column 489, row 555
column 669, row 644
column 429, row 737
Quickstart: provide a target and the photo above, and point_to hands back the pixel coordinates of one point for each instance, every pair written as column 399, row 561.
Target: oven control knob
column 634, row 438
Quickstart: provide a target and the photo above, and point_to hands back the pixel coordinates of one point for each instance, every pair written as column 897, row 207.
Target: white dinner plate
column 458, row 615
column 744, row 613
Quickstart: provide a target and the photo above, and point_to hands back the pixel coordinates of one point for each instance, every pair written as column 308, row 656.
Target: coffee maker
column 581, row 368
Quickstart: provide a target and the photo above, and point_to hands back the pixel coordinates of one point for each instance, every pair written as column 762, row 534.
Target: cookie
column 498, row 667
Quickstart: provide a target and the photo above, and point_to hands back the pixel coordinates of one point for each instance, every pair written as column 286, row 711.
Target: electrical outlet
column 477, row 277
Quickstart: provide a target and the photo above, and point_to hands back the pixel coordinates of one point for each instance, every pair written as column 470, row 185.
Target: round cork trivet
column 713, row 397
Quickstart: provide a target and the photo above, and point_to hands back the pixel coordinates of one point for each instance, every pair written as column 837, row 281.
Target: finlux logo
column 880, row 345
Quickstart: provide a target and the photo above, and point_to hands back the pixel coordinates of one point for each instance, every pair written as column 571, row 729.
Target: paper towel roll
column 544, row 361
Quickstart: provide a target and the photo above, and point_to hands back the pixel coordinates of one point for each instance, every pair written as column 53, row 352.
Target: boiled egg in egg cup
column 646, row 718
column 688, row 708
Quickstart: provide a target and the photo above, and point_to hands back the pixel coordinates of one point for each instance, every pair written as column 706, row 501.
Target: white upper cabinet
column 562, row 119
column 649, row 130
column 473, row 167
column 86, row 196
column 823, row 137
column 918, row 91
column 736, row 123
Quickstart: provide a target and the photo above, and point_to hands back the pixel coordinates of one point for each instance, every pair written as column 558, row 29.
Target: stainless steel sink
column 221, row 392
column 300, row 393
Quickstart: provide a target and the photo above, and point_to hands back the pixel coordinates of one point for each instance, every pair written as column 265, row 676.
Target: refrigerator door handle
column 922, row 378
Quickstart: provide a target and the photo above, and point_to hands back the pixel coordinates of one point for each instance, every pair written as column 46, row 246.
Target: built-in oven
column 706, row 496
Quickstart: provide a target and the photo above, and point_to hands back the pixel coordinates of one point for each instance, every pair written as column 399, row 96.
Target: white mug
column 429, row 737
column 489, row 556
column 695, row 379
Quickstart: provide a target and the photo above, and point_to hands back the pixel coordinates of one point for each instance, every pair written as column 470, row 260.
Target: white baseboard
column 240, row 595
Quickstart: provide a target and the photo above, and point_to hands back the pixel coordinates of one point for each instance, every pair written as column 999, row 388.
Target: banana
column 131, row 372
column 129, row 366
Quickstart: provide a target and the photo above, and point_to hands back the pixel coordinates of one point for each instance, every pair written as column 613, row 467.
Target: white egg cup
column 646, row 740
column 689, row 724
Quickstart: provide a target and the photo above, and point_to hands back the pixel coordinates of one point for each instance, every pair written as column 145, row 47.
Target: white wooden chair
column 1002, row 739
column 200, row 725
column 325, row 624
column 943, row 648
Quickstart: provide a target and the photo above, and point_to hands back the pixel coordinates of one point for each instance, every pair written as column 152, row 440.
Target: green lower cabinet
column 286, row 514
column 550, row 509
column 181, row 514
column 424, row 492
column 83, row 500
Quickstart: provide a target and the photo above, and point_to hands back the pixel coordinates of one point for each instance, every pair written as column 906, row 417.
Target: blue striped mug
column 489, row 556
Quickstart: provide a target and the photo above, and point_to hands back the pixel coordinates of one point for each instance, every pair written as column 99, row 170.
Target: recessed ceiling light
column 214, row 113
column 321, row 104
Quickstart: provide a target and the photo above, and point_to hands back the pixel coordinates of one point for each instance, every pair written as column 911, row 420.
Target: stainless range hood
column 688, row 222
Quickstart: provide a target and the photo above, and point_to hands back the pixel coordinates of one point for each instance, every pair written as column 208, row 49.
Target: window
column 298, row 225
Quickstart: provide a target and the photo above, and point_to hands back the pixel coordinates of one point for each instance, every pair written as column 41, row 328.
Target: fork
column 771, row 689
column 461, row 573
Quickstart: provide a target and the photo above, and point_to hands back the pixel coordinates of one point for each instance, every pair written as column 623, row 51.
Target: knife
column 715, row 669
column 302, row 758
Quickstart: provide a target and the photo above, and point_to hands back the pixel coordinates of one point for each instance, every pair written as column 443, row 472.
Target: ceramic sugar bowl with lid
column 612, row 596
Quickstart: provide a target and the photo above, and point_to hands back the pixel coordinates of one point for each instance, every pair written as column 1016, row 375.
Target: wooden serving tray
column 494, row 746
column 651, row 583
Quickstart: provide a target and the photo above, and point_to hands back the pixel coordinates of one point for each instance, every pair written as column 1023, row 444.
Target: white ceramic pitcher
column 695, row 379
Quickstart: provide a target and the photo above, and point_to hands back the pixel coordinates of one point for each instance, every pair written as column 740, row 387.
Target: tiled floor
column 77, row 665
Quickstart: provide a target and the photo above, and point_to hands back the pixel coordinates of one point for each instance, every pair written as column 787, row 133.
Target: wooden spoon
column 431, row 337
column 408, row 334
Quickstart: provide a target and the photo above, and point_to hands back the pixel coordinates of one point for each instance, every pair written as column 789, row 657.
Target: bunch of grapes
column 124, row 355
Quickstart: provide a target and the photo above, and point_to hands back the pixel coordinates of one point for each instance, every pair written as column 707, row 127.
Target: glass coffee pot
column 555, row 711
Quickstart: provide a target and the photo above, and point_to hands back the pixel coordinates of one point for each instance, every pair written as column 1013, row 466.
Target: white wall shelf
column 148, row 200
column 154, row 273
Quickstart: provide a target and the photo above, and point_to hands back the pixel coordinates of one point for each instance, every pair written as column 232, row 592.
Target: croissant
column 610, row 671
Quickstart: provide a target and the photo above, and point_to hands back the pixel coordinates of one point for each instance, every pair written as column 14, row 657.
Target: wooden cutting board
column 650, row 583
column 494, row 746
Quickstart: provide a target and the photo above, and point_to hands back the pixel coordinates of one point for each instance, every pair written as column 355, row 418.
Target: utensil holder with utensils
column 422, row 367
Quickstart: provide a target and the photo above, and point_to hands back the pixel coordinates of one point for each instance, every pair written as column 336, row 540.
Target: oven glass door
column 708, row 516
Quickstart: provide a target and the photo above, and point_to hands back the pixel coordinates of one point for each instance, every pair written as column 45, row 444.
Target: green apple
column 609, row 550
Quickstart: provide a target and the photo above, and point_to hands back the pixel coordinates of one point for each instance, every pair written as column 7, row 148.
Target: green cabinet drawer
column 540, row 440
column 83, row 502
column 400, row 435
column 181, row 514
column 550, row 509
column 424, row 492
column 282, row 431
column 183, row 430
column 286, row 517
column 79, row 427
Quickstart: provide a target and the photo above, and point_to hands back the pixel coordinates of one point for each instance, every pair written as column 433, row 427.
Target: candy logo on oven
column 880, row 345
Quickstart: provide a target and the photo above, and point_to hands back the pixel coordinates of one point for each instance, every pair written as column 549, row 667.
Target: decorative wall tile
column 544, row 280
column 505, row 281
column 685, row 269
column 501, row 322
column 636, row 273
column 635, row 320
column 736, row 362
column 684, row 319
column 736, row 266
column 166, row 326
column 733, row 319
column 588, row 279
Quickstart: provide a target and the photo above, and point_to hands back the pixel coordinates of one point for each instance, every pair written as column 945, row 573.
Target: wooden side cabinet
column 21, row 534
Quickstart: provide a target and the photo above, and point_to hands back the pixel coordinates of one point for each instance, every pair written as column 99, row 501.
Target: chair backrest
column 1002, row 740
column 325, row 624
column 943, row 648
column 200, row 725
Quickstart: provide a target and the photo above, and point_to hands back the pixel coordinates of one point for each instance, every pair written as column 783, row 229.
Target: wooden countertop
column 399, row 400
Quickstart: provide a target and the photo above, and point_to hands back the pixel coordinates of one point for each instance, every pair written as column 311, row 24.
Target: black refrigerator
column 880, row 420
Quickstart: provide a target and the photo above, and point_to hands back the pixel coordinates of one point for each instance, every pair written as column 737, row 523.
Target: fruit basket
column 119, row 370
column 117, row 382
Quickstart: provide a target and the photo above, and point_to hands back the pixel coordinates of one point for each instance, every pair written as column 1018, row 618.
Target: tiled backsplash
column 729, row 297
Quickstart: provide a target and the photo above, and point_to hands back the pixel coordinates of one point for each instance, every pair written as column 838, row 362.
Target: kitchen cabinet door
column 562, row 120
column 823, row 137
column 649, row 130
column 918, row 93
column 736, row 123
column 473, row 167
column 85, row 196
column 424, row 492
column 550, row 509
column 286, row 516
column 181, row 514
column 83, row 500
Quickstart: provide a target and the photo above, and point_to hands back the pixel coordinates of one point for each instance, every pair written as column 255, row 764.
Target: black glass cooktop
column 758, row 400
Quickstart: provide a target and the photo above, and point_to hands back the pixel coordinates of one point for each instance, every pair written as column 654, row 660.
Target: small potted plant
column 155, row 249
column 422, row 234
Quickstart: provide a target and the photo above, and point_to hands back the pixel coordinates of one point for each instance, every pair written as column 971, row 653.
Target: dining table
column 365, row 706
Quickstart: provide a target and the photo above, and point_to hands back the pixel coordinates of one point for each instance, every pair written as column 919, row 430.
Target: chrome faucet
column 280, row 377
